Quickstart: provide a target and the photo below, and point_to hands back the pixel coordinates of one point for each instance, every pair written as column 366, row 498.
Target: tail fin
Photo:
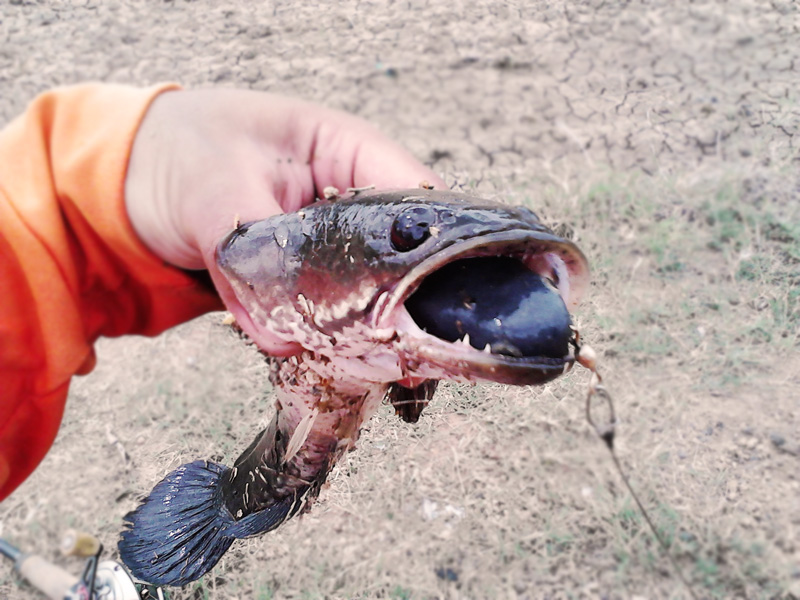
column 182, row 528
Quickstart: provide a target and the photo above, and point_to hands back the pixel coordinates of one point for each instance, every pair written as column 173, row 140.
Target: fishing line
column 587, row 357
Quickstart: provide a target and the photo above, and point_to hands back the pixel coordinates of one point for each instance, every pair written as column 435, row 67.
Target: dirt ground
column 663, row 135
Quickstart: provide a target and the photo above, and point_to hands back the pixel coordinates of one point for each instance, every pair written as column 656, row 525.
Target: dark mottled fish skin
column 334, row 278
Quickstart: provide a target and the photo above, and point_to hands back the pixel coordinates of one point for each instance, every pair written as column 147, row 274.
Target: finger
column 304, row 148
column 350, row 152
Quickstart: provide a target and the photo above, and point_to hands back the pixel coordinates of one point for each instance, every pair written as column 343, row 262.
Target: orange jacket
column 71, row 267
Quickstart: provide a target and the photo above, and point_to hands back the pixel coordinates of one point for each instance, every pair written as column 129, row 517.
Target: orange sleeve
column 71, row 267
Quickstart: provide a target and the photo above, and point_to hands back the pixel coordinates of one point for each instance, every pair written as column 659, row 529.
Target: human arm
column 90, row 245
column 71, row 266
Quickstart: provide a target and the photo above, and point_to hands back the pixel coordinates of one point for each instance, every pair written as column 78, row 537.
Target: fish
column 387, row 293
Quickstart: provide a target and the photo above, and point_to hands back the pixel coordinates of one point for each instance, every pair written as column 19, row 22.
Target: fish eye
column 412, row 227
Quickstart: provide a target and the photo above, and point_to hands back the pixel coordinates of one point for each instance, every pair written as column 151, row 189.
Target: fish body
column 387, row 293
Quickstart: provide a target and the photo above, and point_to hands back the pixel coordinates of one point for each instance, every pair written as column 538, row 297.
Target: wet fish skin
column 333, row 277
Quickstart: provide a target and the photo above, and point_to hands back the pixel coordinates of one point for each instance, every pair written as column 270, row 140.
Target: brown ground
column 666, row 135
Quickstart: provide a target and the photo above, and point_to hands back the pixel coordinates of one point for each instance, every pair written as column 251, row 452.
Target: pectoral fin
column 410, row 402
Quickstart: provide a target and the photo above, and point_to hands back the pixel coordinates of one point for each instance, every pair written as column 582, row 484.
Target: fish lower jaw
column 429, row 357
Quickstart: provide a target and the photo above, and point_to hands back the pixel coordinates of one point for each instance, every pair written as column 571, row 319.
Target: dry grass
column 663, row 136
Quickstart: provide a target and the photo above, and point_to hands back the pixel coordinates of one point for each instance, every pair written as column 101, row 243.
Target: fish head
column 412, row 285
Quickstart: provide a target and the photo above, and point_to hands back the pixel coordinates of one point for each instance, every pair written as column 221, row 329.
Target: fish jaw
column 429, row 357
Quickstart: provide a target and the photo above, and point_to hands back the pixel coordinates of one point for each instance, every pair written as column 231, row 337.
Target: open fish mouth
column 492, row 307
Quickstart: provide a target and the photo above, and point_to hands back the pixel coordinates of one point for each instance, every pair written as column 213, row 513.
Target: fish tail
column 183, row 528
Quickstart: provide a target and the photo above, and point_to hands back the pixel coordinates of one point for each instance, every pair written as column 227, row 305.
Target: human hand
column 205, row 159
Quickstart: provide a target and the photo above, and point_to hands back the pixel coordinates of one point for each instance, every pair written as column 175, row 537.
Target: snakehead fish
column 387, row 293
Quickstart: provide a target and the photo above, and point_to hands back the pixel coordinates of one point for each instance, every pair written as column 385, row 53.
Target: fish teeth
column 303, row 302
column 465, row 340
column 487, row 349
